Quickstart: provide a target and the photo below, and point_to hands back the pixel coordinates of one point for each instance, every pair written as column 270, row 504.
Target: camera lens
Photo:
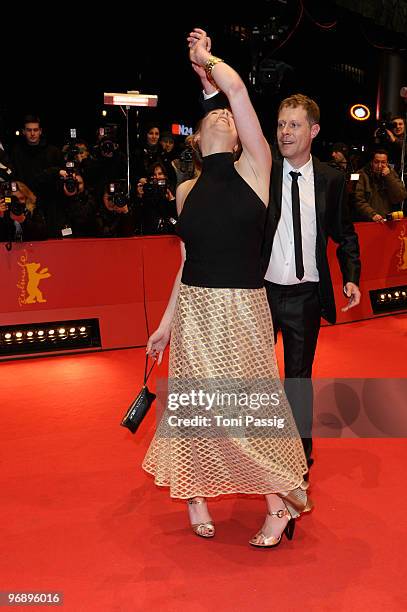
column 120, row 200
column 16, row 207
column 70, row 184
column 107, row 147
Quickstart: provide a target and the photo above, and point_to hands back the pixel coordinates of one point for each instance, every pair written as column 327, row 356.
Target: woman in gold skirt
column 227, row 427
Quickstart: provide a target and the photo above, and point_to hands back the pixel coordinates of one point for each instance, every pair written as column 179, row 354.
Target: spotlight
column 359, row 112
column 7, row 336
column 40, row 332
column 72, row 330
column 61, row 331
column 19, row 334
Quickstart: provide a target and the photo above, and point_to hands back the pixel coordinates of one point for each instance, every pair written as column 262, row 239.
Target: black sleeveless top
column 222, row 224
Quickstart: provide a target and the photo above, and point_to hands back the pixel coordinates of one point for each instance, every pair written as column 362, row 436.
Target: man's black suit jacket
column 332, row 222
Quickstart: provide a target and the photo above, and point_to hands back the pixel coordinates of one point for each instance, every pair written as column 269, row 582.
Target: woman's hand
column 157, row 342
column 199, row 48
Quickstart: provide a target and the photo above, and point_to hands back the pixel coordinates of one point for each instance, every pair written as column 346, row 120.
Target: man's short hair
column 31, row 119
column 379, row 152
column 340, row 147
column 167, row 137
column 309, row 105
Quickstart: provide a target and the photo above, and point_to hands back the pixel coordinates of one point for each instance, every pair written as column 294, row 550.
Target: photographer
column 378, row 189
column 78, row 151
column 390, row 136
column 159, row 213
column 115, row 217
column 77, row 217
column 20, row 219
column 148, row 152
column 36, row 162
column 169, row 152
column 186, row 165
column 108, row 161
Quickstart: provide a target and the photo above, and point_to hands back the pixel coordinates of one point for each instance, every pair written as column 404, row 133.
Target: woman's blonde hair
column 30, row 197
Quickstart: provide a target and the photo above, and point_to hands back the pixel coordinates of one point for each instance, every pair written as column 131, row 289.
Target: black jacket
column 332, row 222
column 37, row 165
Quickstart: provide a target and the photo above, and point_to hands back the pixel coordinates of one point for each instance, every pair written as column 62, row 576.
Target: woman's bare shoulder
column 183, row 190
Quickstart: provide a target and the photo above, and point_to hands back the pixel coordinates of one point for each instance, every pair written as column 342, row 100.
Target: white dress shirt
column 281, row 269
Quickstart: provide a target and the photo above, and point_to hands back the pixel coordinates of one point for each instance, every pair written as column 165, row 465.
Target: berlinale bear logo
column 31, row 276
column 402, row 265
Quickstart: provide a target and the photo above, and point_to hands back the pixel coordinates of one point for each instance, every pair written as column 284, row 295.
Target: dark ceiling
column 317, row 47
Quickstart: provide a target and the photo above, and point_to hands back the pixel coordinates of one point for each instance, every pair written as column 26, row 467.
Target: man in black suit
column 307, row 206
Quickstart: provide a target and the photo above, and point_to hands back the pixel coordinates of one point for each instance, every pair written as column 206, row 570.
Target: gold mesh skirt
column 224, row 337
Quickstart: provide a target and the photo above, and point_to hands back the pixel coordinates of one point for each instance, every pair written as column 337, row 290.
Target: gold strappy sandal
column 263, row 541
column 204, row 530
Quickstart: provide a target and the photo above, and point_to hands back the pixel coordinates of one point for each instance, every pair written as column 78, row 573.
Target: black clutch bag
column 139, row 407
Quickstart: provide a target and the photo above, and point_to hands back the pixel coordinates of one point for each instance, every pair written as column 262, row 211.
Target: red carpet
column 80, row 516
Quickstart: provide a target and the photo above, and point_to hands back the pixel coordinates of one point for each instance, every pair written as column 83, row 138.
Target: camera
column 383, row 125
column 155, row 188
column 69, row 181
column 70, row 148
column 107, row 140
column 7, row 192
column 117, row 191
column 186, row 162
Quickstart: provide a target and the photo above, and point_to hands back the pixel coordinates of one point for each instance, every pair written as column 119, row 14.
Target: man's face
column 32, row 133
column 338, row 156
column 379, row 163
column 398, row 128
column 295, row 135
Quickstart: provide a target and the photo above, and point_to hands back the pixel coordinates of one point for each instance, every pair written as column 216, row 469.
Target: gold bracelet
column 210, row 64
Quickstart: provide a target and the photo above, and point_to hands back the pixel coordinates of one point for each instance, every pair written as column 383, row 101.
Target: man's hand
column 378, row 218
column 352, row 292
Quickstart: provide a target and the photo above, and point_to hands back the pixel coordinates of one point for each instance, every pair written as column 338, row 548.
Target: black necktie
column 295, row 200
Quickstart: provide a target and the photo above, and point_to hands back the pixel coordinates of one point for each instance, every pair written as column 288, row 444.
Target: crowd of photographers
column 82, row 191
column 376, row 189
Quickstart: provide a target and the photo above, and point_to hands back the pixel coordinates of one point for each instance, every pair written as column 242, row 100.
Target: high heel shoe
column 262, row 541
column 204, row 530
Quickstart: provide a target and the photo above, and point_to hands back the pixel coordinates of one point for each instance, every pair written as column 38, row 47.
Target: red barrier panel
column 162, row 259
column 126, row 282
column 77, row 279
column 383, row 251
